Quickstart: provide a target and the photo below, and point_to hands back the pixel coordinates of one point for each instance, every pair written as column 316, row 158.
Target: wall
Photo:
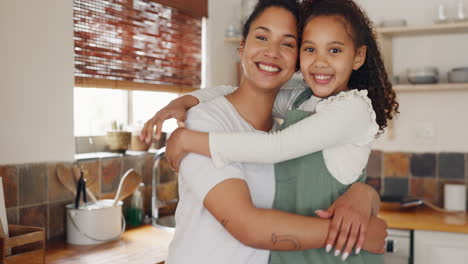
column 36, row 95
column 221, row 55
column 441, row 111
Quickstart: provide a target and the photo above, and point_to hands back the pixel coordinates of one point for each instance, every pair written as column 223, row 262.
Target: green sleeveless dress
column 304, row 185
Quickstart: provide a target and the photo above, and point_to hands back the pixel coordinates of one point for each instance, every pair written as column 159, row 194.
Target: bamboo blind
column 120, row 42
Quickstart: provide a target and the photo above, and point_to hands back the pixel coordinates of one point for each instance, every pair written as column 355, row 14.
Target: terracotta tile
column 56, row 219
column 92, row 169
column 133, row 162
column 376, row 183
column 10, row 185
column 425, row 188
column 110, row 174
column 56, row 190
column 452, row 166
column 396, row 165
column 148, row 170
column 12, row 216
column 374, row 165
column 32, row 184
column 396, row 187
column 33, row 216
column 423, row 165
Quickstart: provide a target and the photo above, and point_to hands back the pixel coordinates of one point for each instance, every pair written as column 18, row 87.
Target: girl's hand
column 175, row 109
column 376, row 235
column 351, row 214
column 175, row 148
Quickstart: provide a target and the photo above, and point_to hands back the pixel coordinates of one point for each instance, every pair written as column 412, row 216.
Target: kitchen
column 422, row 150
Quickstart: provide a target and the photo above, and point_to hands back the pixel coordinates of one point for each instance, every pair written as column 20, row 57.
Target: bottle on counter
column 135, row 212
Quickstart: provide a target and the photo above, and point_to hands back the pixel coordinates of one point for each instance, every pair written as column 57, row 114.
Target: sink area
column 165, row 222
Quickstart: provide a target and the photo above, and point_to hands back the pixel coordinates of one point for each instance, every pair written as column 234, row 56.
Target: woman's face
column 328, row 55
column 269, row 53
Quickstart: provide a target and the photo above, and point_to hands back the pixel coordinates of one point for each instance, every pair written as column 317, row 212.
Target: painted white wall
column 443, row 111
column 36, row 84
column 221, row 56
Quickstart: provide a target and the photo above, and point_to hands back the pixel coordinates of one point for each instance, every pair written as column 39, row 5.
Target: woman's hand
column 184, row 141
column 351, row 214
column 376, row 235
column 175, row 148
column 175, row 109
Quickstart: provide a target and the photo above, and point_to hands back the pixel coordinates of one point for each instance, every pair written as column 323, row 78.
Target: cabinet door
column 440, row 248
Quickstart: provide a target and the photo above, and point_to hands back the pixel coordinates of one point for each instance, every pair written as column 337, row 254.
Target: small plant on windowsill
column 118, row 139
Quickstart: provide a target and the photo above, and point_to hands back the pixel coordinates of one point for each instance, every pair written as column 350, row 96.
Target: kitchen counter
column 142, row 245
column 426, row 219
column 149, row 245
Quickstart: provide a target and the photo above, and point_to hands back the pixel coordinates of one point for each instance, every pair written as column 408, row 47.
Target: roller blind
column 136, row 43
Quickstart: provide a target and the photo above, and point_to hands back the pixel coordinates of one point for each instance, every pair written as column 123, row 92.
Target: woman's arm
column 178, row 108
column 231, row 204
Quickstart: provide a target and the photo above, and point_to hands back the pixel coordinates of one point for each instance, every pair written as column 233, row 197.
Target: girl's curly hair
column 372, row 75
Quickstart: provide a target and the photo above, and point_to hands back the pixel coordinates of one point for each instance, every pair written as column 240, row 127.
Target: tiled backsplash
column 34, row 196
column 416, row 174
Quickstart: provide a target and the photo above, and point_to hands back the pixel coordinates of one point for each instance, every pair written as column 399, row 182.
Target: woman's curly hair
column 372, row 75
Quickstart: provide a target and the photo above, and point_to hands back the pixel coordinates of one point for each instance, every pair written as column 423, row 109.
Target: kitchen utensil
column 90, row 181
column 66, row 178
column 458, row 75
column 128, row 184
column 94, row 224
column 395, row 203
column 424, row 75
column 79, row 190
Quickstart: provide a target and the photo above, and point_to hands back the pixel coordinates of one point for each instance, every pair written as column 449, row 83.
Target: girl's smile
column 328, row 55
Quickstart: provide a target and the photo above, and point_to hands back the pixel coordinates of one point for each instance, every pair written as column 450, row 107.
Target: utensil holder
column 26, row 244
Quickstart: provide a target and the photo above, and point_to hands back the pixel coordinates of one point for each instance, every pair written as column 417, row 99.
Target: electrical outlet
column 426, row 132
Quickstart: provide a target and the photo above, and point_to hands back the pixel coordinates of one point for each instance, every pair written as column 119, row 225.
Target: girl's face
column 328, row 55
column 269, row 53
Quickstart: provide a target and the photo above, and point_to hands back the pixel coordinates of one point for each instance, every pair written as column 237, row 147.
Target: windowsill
column 104, row 155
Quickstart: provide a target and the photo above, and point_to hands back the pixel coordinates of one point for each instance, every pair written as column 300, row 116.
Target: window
column 147, row 51
column 95, row 109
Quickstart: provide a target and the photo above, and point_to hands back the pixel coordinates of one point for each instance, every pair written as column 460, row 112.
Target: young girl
column 352, row 100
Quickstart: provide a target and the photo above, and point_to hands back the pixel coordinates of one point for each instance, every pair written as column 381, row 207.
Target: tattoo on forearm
column 294, row 242
column 224, row 222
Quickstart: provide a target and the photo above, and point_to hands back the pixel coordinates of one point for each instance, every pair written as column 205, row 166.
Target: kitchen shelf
column 430, row 29
column 434, row 29
column 431, row 87
column 233, row 39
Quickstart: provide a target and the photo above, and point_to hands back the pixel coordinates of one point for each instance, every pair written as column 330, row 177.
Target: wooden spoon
column 65, row 176
column 127, row 186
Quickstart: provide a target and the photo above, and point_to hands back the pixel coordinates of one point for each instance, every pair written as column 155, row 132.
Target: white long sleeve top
column 343, row 126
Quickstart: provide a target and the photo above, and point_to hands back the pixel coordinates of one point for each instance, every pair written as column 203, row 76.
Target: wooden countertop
column 142, row 245
column 426, row 219
column 149, row 245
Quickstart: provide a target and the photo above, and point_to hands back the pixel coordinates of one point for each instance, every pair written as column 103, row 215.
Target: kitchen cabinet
column 440, row 247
